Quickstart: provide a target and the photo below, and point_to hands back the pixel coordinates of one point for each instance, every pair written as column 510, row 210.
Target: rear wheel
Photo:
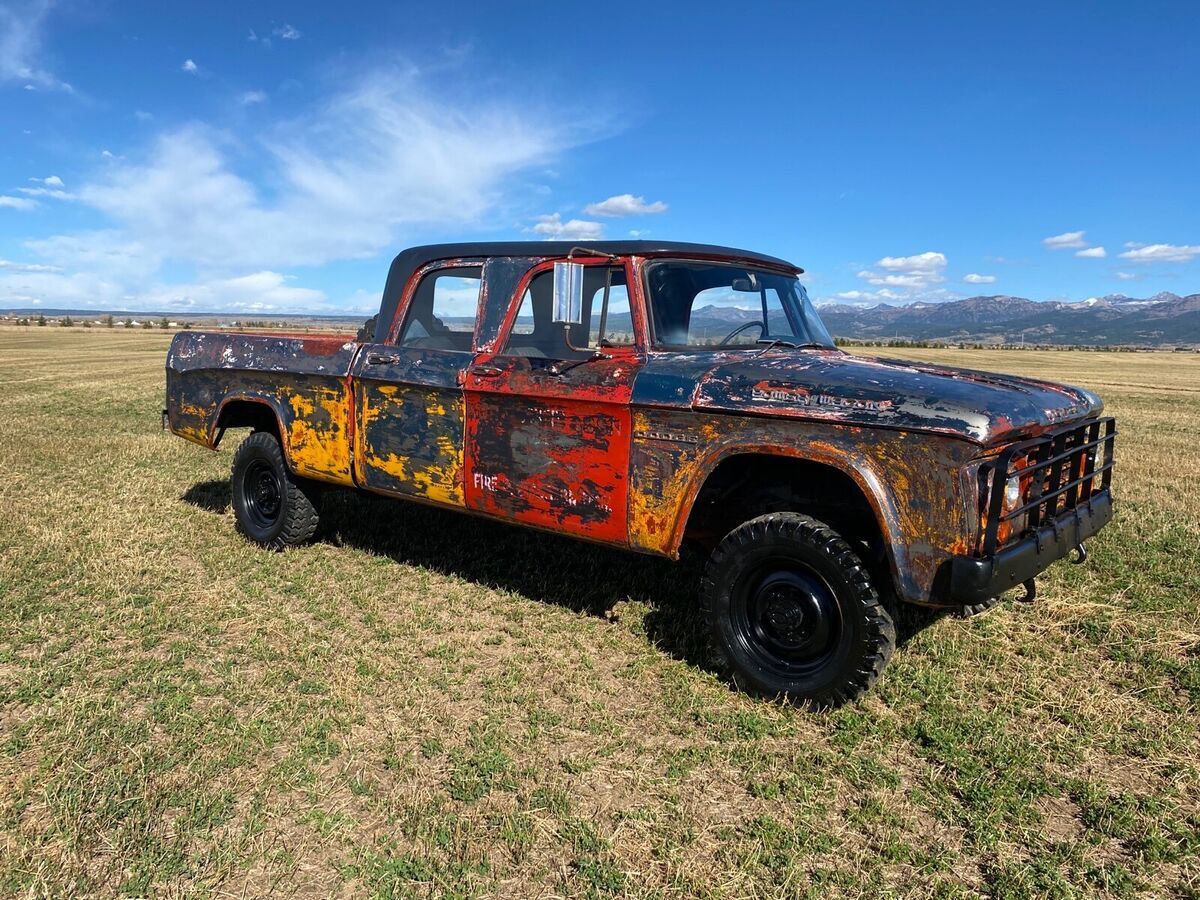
column 793, row 612
column 272, row 506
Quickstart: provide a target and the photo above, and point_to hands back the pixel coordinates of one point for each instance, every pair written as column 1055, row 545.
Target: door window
column 441, row 314
column 536, row 334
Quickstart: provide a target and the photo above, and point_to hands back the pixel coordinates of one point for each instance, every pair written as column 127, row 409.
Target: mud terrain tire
column 793, row 613
column 272, row 506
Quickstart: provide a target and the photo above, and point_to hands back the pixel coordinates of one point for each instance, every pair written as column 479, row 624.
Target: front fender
column 911, row 481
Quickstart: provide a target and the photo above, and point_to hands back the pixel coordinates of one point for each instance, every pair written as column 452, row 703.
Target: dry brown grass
column 420, row 704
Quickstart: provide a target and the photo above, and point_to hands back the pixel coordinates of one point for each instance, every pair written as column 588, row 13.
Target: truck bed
column 302, row 379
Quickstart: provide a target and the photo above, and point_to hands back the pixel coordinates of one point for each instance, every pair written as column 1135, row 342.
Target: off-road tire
column 272, row 506
column 793, row 613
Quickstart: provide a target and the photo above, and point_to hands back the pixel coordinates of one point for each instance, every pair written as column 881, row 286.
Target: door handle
column 486, row 371
column 379, row 359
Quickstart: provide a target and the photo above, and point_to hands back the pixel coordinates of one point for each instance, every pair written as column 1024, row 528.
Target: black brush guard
column 1068, row 499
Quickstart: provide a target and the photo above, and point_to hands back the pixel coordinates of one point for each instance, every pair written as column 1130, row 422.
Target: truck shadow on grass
column 548, row 568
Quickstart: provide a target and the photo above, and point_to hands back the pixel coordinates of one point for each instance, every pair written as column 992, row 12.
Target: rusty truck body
column 647, row 394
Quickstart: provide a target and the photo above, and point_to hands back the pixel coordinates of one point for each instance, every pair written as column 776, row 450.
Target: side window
column 441, row 315
column 535, row 334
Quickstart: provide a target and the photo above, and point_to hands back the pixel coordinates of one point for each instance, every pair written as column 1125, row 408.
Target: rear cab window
column 442, row 312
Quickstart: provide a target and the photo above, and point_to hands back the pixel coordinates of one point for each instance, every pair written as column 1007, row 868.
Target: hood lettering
column 777, row 392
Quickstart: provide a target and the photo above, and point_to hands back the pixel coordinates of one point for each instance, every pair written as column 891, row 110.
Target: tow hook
column 1080, row 554
column 1030, row 594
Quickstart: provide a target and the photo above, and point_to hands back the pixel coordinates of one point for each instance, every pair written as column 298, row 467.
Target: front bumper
column 975, row 579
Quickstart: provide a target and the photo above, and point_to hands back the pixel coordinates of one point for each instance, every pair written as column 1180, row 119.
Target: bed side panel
column 303, row 379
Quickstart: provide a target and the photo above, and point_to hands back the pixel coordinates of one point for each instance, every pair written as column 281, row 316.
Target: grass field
column 421, row 704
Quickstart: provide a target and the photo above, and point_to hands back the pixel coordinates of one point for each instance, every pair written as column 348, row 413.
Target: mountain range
column 1164, row 319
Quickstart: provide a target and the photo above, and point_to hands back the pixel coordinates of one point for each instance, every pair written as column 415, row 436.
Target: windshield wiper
column 772, row 343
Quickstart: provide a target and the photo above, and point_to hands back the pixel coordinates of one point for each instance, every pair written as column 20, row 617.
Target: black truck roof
column 414, row 258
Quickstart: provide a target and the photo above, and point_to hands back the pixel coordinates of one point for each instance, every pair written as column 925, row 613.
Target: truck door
column 408, row 392
column 548, row 417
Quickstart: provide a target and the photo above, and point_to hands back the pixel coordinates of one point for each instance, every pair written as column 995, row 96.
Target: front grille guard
column 1066, row 468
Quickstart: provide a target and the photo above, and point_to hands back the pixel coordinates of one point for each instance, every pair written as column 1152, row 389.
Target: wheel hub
column 264, row 496
column 790, row 618
column 786, row 615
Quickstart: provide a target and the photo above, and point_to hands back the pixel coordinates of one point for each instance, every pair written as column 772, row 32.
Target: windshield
column 708, row 306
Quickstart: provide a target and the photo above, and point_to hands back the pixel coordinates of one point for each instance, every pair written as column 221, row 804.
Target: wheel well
column 251, row 414
column 749, row 485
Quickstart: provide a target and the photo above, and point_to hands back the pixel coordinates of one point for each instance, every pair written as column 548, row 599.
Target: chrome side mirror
column 568, row 293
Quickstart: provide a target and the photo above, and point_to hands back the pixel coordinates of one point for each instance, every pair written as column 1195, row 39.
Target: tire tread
column 802, row 528
column 301, row 516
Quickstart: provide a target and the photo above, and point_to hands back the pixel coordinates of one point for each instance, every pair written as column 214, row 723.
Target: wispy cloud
column 286, row 32
column 9, row 266
column 250, row 98
column 22, row 203
column 553, row 228
column 53, row 186
column 1092, row 253
column 1068, row 240
column 624, row 205
column 354, row 175
column 1152, row 253
column 21, row 28
column 974, row 278
column 190, row 67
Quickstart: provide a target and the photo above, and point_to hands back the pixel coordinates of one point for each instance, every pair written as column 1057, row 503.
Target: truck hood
column 831, row 385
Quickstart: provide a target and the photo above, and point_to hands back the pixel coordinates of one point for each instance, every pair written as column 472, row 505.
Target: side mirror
column 568, row 293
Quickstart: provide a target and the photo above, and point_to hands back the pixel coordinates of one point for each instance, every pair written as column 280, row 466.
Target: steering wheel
column 755, row 324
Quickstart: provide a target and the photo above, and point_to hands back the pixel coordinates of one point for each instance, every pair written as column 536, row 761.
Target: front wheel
column 793, row 612
column 272, row 507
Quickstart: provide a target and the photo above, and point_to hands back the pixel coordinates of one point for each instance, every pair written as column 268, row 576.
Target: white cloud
column 21, row 203
column 624, row 205
column 264, row 291
column 21, row 43
column 56, row 193
column 553, row 228
column 375, row 166
column 979, row 279
column 107, row 154
column 9, row 266
column 260, row 292
column 1129, row 276
column 1068, row 240
column 1149, row 253
column 190, row 67
column 287, row 32
column 251, row 97
column 914, row 273
column 382, row 158
column 53, row 181
column 1092, row 253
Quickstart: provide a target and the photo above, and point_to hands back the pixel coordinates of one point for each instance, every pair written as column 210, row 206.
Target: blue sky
column 273, row 157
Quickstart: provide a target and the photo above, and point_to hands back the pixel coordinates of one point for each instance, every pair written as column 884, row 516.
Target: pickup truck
column 645, row 395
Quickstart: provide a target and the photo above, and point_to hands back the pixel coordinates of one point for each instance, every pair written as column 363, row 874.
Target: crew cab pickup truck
column 647, row 394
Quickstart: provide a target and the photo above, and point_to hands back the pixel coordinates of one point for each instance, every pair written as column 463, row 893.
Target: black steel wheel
column 793, row 612
column 272, row 506
column 262, row 490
